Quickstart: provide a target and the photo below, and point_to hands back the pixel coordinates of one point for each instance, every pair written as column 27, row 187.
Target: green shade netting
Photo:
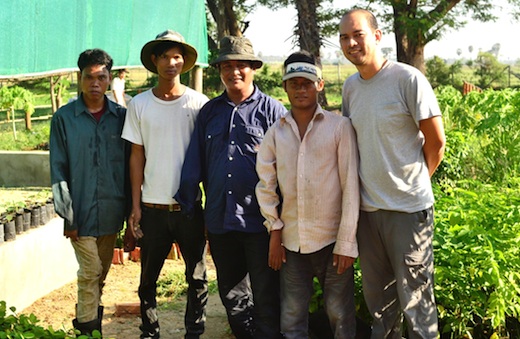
column 47, row 36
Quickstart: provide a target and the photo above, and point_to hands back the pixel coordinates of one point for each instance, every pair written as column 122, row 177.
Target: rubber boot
column 100, row 317
column 88, row 327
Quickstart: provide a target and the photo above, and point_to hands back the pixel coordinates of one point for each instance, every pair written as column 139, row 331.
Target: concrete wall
column 29, row 168
column 36, row 263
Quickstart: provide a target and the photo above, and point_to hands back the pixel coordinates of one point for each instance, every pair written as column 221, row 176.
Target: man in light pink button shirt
column 309, row 195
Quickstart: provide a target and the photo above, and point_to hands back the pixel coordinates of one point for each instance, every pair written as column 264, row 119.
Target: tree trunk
column 308, row 32
column 409, row 50
column 224, row 16
column 231, row 18
column 28, row 122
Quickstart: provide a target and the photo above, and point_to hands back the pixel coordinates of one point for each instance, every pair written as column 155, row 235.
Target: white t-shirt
column 164, row 128
column 385, row 112
column 118, row 84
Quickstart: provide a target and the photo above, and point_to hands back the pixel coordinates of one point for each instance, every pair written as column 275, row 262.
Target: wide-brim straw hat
column 237, row 48
column 190, row 53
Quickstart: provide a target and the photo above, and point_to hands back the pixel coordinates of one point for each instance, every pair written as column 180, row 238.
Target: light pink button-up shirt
column 317, row 178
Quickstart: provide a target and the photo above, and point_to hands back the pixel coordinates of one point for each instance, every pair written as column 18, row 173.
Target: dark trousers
column 297, row 289
column 161, row 228
column 248, row 288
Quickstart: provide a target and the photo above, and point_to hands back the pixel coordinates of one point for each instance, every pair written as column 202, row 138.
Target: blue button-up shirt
column 89, row 172
column 222, row 155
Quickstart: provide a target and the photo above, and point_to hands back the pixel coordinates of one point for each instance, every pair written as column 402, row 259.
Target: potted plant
column 9, row 227
column 35, row 216
column 118, row 257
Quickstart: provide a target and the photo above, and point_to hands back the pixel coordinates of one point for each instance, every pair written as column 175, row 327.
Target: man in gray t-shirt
column 401, row 142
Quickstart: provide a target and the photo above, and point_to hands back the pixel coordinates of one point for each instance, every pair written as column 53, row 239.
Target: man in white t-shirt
column 159, row 126
column 118, row 87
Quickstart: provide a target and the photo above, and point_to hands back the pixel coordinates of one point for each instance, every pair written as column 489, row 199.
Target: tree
column 227, row 18
column 314, row 23
column 440, row 73
column 415, row 23
column 15, row 97
column 387, row 51
column 57, row 85
column 495, row 49
column 489, row 70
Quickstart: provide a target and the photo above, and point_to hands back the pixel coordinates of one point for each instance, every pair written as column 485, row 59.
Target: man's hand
column 342, row 262
column 72, row 234
column 133, row 223
column 276, row 250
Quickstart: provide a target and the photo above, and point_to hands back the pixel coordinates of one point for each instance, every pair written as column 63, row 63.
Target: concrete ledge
column 19, row 169
column 35, row 264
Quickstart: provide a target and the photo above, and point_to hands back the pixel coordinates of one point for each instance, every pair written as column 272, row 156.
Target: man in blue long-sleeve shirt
column 222, row 155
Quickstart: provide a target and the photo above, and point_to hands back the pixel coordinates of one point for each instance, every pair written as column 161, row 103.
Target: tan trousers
column 94, row 257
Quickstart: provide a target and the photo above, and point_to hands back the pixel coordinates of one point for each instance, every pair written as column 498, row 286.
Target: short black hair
column 162, row 47
column 95, row 56
column 301, row 56
column 371, row 18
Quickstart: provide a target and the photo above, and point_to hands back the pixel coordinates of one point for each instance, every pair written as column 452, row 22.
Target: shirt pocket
column 253, row 136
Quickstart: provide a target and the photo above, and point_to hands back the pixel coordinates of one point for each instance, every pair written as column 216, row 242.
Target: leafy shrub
column 489, row 70
column 483, row 135
column 26, row 327
column 477, row 258
column 440, row 73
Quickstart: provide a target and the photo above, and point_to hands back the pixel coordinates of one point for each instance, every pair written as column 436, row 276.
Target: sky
column 270, row 32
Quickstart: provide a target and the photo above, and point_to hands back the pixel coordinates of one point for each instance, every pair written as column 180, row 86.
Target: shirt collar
column 253, row 97
column 81, row 108
column 318, row 115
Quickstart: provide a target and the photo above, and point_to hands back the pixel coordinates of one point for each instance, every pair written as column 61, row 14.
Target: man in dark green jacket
column 88, row 171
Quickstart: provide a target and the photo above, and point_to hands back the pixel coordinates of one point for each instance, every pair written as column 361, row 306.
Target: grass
column 26, row 140
column 173, row 286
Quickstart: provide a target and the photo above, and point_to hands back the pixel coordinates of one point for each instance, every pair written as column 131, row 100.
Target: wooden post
column 196, row 78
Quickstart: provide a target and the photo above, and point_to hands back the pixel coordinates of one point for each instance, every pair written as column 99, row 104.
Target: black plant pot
column 43, row 215
column 26, row 220
column 9, row 230
column 35, row 217
column 18, row 223
column 1, row 232
column 50, row 210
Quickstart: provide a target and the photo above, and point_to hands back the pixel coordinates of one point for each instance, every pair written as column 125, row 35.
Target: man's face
column 94, row 82
column 169, row 64
column 236, row 75
column 357, row 39
column 302, row 92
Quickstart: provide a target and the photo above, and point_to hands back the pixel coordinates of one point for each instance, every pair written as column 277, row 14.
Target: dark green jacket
column 89, row 173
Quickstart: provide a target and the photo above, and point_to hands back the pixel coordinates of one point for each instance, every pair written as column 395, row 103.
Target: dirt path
column 57, row 308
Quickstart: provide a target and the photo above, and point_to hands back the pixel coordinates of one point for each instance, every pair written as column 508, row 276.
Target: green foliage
column 268, row 80
column 478, row 213
column 477, row 259
column 37, row 138
column 440, row 73
column 173, row 285
column 16, row 97
column 489, row 70
column 483, row 135
column 26, row 327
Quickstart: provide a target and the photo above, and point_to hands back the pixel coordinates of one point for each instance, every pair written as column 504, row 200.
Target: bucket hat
column 190, row 53
column 237, row 48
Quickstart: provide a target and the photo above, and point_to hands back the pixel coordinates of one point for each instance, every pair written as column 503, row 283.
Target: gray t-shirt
column 385, row 112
